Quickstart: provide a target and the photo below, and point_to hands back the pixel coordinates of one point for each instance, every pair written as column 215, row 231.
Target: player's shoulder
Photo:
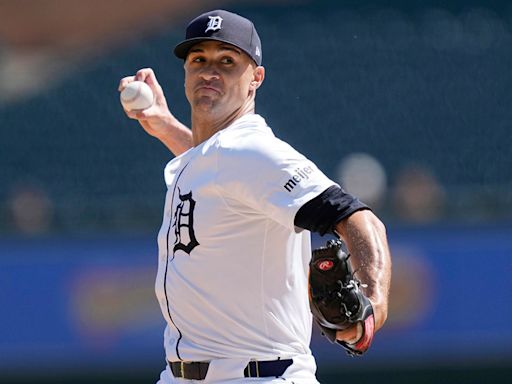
column 244, row 130
column 251, row 136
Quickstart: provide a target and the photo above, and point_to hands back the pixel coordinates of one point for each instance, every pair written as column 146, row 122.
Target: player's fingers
column 143, row 74
column 131, row 114
column 149, row 77
column 124, row 82
column 136, row 115
column 140, row 115
column 348, row 335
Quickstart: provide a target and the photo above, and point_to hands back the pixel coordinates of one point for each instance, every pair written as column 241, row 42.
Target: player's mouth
column 208, row 88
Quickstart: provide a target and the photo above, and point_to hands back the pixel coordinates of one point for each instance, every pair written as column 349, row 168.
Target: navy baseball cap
column 222, row 26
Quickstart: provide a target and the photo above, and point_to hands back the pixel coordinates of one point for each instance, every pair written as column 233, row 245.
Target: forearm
column 175, row 136
column 365, row 236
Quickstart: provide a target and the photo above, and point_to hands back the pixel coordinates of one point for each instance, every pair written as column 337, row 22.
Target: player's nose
column 210, row 72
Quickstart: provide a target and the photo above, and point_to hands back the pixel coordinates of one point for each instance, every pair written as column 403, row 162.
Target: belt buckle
column 257, row 368
column 182, row 369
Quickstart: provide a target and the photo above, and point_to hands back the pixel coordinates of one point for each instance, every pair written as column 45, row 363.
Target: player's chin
column 204, row 103
column 204, row 95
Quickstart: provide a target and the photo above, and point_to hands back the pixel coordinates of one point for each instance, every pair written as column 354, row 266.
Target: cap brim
column 181, row 50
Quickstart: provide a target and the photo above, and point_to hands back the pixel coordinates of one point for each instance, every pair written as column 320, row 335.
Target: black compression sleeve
column 323, row 212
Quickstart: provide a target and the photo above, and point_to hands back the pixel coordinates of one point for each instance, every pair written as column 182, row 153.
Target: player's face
column 219, row 77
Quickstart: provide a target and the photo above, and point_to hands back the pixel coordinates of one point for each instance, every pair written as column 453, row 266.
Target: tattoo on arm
column 365, row 236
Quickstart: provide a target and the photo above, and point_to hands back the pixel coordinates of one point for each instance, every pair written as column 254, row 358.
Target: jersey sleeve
column 270, row 177
column 322, row 213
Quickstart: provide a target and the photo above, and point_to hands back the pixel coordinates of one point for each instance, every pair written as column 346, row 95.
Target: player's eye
column 197, row 59
column 227, row 60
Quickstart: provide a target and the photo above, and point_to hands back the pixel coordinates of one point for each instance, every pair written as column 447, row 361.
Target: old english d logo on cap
column 223, row 26
column 214, row 24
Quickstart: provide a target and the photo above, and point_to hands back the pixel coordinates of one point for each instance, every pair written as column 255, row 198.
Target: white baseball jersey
column 233, row 268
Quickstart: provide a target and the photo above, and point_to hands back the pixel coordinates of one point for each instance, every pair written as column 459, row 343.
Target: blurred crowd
column 409, row 107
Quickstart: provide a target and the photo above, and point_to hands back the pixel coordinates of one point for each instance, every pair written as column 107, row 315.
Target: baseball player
column 234, row 245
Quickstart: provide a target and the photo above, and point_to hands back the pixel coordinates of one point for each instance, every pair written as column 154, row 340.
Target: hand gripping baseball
column 157, row 120
column 336, row 299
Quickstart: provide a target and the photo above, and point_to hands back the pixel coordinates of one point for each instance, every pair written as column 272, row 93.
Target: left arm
column 335, row 210
column 365, row 236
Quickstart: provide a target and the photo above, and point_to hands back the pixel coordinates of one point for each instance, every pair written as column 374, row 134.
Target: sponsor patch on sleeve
column 298, row 178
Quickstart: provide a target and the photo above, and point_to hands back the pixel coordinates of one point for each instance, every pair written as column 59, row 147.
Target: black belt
column 196, row 370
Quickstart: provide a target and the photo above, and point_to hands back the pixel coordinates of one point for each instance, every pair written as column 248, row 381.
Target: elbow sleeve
column 323, row 212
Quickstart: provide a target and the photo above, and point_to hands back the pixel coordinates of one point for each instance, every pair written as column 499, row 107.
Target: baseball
column 137, row 96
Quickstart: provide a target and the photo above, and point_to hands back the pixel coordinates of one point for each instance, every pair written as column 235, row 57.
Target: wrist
column 380, row 313
column 165, row 127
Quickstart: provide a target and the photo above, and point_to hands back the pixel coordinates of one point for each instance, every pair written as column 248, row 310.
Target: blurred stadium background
column 408, row 104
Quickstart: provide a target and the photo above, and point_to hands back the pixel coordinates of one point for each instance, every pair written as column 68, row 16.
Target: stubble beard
column 204, row 104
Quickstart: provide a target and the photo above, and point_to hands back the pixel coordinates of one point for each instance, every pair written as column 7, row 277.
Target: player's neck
column 205, row 125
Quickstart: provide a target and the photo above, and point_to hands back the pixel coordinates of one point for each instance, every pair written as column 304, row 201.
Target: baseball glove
column 336, row 300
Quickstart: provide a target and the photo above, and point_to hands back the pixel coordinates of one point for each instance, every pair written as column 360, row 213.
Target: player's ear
column 258, row 76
